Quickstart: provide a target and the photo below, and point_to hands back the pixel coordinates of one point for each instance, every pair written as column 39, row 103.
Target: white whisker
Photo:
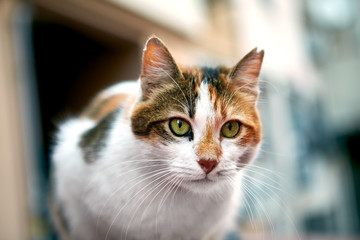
column 147, row 194
column 183, row 106
column 281, row 206
column 152, row 174
column 176, row 85
column 254, row 197
column 247, row 206
column 130, row 199
column 233, row 94
column 86, row 188
column 267, row 185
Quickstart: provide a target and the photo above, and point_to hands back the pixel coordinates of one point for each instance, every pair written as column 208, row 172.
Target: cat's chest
column 181, row 214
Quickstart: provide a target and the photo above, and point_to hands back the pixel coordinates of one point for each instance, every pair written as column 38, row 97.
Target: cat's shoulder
column 90, row 129
column 111, row 99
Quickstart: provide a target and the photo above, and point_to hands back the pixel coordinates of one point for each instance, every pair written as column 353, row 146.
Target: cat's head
column 201, row 124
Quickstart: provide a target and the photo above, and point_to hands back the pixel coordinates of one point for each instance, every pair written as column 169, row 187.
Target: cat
column 161, row 157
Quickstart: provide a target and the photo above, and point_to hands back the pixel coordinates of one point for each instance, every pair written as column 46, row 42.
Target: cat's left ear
column 158, row 67
column 246, row 72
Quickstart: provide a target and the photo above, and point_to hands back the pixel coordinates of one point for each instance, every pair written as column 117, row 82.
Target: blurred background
column 305, row 184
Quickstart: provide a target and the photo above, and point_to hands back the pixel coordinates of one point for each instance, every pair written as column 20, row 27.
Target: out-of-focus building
column 309, row 91
column 305, row 180
column 299, row 101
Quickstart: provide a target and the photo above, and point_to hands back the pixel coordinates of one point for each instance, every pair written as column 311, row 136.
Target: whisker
column 226, row 90
column 144, row 161
column 276, row 173
column 260, row 200
column 268, row 186
column 152, row 174
column 171, row 203
column 274, row 153
column 86, row 188
column 233, row 94
column 191, row 104
column 247, row 206
column 257, row 171
column 148, row 193
column 281, row 206
column 183, row 106
column 254, row 196
column 176, row 85
column 270, row 83
column 176, row 189
column 172, row 186
column 130, row 199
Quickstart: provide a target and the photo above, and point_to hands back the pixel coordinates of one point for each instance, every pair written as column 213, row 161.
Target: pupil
column 179, row 123
column 230, row 126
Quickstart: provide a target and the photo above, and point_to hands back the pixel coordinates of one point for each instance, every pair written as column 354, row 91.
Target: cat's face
column 201, row 124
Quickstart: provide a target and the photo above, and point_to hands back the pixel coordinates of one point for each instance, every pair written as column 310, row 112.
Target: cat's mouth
column 202, row 180
column 204, row 184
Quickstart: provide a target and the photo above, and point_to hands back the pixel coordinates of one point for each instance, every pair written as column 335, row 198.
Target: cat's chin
column 204, row 185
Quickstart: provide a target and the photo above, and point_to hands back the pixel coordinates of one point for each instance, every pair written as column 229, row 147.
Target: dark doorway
column 71, row 67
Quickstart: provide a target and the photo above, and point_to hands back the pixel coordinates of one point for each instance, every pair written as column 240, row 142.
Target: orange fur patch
column 209, row 147
column 101, row 107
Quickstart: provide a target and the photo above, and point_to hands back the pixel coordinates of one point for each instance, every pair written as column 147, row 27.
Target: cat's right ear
column 246, row 73
column 158, row 67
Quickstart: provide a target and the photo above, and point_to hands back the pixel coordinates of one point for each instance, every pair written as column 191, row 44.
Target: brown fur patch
column 101, row 107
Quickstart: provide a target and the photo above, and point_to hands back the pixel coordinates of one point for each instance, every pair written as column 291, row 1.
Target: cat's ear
column 158, row 67
column 245, row 74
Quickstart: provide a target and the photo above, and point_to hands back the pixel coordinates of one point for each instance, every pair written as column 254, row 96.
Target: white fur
column 116, row 197
column 205, row 112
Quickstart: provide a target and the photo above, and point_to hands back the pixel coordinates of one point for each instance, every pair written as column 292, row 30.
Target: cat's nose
column 207, row 165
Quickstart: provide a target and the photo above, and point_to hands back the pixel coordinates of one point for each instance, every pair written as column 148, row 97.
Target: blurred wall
column 13, row 207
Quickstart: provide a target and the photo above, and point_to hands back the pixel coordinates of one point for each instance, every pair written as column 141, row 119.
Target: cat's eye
column 179, row 127
column 230, row 129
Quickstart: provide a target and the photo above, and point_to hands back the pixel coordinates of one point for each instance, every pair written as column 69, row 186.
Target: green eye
column 179, row 127
column 230, row 129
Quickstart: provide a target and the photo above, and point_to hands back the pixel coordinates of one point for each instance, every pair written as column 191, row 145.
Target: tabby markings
column 94, row 139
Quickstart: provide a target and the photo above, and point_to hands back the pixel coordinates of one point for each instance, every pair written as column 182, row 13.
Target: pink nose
column 207, row 165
